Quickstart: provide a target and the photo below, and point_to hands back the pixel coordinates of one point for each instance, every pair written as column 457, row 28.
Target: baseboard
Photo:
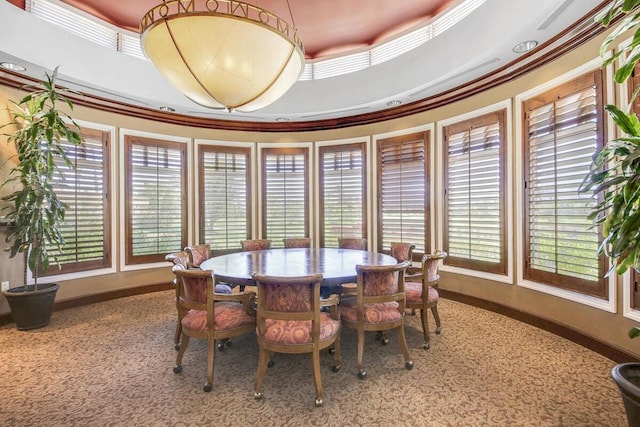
column 616, row 354
column 6, row 319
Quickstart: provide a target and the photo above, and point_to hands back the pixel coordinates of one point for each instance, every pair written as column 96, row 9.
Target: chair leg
column 425, row 328
column 184, row 342
column 176, row 337
column 362, row 374
column 337, row 357
column 211, row 347
column 317, row 379
column 262, row 368
column 434, row 311
column 408, row 363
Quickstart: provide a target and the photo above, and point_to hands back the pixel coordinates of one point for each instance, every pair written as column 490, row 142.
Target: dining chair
column 404, row 252
column 378, row 305
column 182, row 259
column 255, row 244
column 198, row 254
column 352, row 243
column 428, row 286
column 289, row 320
column 297, row 242
column 210, row 316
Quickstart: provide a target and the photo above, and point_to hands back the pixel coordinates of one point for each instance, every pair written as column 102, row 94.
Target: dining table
column 337, row 266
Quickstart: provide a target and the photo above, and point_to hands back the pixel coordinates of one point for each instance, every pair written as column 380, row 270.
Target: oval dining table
column 337, row 266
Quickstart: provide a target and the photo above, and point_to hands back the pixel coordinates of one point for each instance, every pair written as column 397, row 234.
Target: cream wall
column 610, row 328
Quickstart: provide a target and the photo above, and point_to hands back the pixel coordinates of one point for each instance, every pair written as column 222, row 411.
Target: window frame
column 155, row 141
column 338, row 148
column 466, row 124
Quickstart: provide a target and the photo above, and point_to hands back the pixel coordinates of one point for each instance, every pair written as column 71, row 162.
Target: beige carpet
column 111, row 364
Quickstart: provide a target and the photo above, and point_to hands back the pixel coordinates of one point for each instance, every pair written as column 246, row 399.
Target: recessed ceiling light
column 282, row 119
column 523, row 47
column 394, row 103
column 11, row 66
column 167, row 109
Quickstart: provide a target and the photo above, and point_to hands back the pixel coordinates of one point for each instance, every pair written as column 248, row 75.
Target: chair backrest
column 255, row 244
column 382, row 280
column 297, row 242
column 193, row 287
column 178, row 258
column 198, row 254
column 288, row 298
column 352, row 243
column 402, row 251
column 431, row 265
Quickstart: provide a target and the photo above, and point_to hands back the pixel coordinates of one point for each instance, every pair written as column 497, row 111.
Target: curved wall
column 610, row 328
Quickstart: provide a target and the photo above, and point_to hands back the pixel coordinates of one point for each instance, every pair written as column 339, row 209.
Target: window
column 225, row 207
column 342, row 193
column 563, row 128
column 474, row 200
column 85, row 190
column 155, row 204
column 403, row 191
column 285, row 201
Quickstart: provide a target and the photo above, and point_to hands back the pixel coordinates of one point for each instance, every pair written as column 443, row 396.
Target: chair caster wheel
column 336, row 368
column 426, row 346
column 332, row 350
column 385, row 341
column 319, row 403
column 362, row 374
column 257, row 395
column 438, row 330
column 408, row 365
column 207, row 387
column 378, row 336
column 228, row 342
column 177, row 347
column 177, row 369
column 269, row 363
column 221, row 346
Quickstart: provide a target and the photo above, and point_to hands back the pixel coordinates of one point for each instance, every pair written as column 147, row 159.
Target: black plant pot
column 627, row 377
column 31, row 309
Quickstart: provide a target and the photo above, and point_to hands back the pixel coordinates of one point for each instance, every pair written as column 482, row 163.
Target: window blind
column 563, row 130
column 285, row 204
column 85, row 192
column 474, row 195
column 156, row 203
column 342, row 189
column 224, row 196
column 403, row 191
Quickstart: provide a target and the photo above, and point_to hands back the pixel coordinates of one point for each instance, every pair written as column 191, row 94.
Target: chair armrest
column 413, row 274
column 247, row 299
column 332, row 299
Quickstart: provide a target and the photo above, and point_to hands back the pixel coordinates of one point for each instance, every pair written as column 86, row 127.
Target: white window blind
column 224, row 196
column 285, row 197
column 156, row 199
column 343, row 204
column 474, row 215
column 563, row 132
column 85, row 192
column 402, row 191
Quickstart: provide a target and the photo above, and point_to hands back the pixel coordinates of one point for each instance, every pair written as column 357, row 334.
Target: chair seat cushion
column 413, row 292
column 373, row 313
column 293, row 332
column 228, row 315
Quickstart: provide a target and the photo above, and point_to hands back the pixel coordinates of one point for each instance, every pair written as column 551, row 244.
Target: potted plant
column 34, row 209
column 615, row 176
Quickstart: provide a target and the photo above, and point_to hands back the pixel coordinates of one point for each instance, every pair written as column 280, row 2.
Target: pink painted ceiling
column 326, row 26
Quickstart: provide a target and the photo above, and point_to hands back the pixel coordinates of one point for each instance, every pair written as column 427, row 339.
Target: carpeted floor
column 111, row 364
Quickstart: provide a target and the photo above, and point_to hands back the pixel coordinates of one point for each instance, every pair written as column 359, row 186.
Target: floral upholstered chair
column 378, row 305
column 210, row 316
column 290, row 321
column 198, row 254
column 255, row 244
column 181, row 259
column 427, row 286
column 352, row 243
column 297, row 242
